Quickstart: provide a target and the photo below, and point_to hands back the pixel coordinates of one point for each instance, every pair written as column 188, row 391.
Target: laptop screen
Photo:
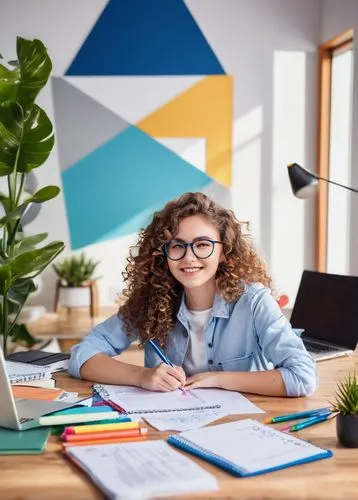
column 326, row 307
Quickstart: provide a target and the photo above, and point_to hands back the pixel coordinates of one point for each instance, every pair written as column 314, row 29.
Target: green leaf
column 35, row 66
column 45, row 194
column 9, row 81
column 11, row 129
column 27, row 142
column 6, row 202
column 5, row 278
column 18, row 294
column 27, row 264
column 29, row 242
column 19, row 333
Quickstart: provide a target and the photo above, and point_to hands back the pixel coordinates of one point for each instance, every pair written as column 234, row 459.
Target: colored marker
column 293, row 416
column 81, row 429
column 308, row 422
column 106, row 441
column 103, row 436
column 164, row 359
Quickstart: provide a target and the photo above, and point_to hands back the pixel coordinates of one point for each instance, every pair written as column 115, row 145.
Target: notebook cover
column 231, row 467
column 30, row 442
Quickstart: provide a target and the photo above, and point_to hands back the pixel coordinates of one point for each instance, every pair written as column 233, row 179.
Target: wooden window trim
column 326, row 52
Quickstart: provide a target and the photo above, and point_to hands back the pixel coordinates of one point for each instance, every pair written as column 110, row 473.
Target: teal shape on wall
column 114, row 190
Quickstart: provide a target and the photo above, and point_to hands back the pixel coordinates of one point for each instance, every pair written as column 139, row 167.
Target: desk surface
column 51, row 476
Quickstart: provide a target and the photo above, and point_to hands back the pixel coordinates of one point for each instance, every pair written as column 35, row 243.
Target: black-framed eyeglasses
column 202, row 249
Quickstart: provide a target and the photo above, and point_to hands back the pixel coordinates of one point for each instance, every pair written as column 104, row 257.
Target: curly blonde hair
column 153, row 295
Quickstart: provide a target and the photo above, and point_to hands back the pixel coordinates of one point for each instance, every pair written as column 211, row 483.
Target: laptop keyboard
column 318, row 349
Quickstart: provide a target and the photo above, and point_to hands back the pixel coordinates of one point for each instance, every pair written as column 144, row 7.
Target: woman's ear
column 222, row 257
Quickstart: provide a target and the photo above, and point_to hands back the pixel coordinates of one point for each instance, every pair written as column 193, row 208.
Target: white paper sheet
column 141, row 470
column 185, row 421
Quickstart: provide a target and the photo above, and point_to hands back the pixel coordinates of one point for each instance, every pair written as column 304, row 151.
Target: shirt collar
column 220, row 309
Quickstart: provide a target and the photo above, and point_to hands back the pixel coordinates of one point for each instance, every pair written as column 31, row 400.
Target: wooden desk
column 50, row 476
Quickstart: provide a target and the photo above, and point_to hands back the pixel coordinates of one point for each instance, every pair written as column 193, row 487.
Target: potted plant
column 26, row 141
column 75, row 274
column 346, row 405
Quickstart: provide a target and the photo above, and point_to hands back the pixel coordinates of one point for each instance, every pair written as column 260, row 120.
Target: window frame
column 327, row 51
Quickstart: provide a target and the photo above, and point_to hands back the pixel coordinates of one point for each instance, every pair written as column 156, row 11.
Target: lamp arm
column 337, row 184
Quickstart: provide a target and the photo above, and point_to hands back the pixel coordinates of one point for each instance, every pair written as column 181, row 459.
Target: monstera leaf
column 25, row 143
column 29, row 74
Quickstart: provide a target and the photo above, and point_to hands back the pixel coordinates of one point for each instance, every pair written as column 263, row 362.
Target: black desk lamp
column 303, row 182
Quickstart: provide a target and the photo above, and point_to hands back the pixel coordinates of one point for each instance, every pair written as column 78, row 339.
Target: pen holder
column 347, row 430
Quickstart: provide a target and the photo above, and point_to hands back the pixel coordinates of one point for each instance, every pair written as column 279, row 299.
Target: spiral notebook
column 136, row 401
column 247, row 447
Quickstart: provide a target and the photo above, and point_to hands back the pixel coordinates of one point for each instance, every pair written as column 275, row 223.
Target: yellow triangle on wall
column 204, row 110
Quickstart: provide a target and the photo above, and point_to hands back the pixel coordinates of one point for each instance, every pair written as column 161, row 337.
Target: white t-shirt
column 196, row 360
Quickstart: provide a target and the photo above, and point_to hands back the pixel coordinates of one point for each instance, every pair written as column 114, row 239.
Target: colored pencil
column 293, row 416
column 308, row 422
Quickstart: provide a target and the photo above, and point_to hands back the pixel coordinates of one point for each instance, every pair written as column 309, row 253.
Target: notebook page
column 141, row 470
column 251, row 445
column 136, row 400
column 230, row 401
column 184, row 421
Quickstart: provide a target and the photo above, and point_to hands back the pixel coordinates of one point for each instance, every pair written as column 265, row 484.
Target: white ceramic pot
column 74, row 296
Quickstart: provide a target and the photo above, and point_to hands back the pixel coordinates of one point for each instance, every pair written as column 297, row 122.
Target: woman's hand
column 205, row 379
column 163, row 378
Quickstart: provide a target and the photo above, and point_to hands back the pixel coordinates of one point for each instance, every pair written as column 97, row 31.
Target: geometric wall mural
column 143, row 114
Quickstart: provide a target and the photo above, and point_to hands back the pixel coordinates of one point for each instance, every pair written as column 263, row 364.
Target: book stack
column 29, row 374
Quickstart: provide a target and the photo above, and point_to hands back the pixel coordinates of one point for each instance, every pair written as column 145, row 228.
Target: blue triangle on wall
column 145, row 37
column 114, row 190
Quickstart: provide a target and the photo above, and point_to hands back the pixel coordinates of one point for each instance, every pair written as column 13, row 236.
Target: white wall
column 338, row 17
column 274, row 118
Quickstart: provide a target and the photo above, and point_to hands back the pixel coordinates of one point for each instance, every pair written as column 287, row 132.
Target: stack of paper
column 19, row 373
column 141, row 470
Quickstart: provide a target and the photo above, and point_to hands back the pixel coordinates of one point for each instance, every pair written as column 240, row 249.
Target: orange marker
column 100, row 436
column 106, row 441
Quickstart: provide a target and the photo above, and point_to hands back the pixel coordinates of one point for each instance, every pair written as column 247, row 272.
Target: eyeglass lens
column 201, row 249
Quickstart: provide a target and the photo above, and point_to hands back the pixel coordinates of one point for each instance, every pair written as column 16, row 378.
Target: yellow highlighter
column 79, row 429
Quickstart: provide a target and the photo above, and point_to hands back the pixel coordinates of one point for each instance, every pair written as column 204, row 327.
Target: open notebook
column 247, row 447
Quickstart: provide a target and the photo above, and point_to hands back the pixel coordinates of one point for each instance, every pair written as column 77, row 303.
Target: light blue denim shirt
column 250, row 334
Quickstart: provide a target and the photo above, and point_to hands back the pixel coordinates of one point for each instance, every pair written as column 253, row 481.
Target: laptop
column 22, row 414
column 326, row 309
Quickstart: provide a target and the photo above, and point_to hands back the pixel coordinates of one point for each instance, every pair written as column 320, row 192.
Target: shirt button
column 210, row 344
column 185, row 333
column 210, row 361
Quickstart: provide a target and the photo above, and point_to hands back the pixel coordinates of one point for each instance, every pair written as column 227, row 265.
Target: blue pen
column 310, row 421
column 160, row 353
column 163, row 358
column 293, row 416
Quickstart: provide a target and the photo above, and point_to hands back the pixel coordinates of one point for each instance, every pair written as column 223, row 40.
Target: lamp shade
column 303, row 182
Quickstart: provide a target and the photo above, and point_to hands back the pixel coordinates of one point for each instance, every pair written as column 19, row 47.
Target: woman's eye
column 203, row 244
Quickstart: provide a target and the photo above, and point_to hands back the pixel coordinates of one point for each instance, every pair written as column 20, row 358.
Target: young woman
column 198, row 288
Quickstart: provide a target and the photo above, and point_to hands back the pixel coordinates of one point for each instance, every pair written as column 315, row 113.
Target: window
column 334, row 140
